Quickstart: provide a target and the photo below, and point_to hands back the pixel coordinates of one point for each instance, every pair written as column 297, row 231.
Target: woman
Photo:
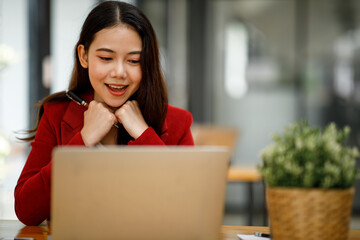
column 117, row 71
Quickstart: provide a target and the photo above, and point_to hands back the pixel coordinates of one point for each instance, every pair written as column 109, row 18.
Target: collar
column 74, row 114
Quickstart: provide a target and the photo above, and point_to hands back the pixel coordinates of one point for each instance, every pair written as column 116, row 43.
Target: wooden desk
column 243, row 174
column 11, row 228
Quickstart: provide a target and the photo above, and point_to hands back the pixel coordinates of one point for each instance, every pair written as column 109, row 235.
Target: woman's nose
column 118, row 70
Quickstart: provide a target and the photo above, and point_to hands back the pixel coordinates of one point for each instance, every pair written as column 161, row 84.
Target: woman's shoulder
column 177, row 112
column 54, row 112
column 177, row 117
column 56, row 107
column 178, row 124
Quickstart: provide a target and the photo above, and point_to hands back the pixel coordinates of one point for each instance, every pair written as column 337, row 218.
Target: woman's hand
column 130, row 116
column 98, row 121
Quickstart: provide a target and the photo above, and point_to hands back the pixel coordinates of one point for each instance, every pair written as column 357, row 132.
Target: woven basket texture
column 299, row 213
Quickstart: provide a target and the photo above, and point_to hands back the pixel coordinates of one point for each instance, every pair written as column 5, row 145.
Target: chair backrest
column 215, row 135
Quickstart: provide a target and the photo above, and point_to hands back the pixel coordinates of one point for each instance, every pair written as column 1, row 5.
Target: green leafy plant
column 304, row 156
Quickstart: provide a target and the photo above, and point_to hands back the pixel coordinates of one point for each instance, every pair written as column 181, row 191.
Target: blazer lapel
column 73, row 120
column 164, row 133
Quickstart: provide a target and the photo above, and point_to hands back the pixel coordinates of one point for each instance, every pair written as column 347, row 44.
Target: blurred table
column 12, row 228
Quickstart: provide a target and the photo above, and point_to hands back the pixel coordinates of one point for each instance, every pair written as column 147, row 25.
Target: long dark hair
column 152, row 93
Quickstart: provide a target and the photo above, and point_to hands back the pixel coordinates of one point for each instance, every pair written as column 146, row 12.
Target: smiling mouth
column 116, row 88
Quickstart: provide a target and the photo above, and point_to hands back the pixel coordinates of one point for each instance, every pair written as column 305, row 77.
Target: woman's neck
column 110, row 138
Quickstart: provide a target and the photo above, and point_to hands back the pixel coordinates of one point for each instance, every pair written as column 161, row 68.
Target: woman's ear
column 83, row 57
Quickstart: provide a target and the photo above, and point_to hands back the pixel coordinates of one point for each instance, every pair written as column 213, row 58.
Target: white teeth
column 117, row 87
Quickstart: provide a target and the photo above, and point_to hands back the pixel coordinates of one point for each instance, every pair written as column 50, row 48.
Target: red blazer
column 61, row 124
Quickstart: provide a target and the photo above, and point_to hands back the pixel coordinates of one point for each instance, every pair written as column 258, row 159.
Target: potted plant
column 309, row 176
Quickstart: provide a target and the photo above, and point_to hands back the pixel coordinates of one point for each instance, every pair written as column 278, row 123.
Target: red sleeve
column 32, row 192
column 148, row 137
column 181, row 132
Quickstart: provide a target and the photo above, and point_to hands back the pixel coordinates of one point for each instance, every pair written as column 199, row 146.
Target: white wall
column 14, row 78
column 14, row 111
column 67, row 19
column 177, row 54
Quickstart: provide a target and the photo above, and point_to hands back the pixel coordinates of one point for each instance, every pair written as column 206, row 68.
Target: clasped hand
column 99, row 120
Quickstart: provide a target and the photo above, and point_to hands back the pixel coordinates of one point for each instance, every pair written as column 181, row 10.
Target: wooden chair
column 211, row 135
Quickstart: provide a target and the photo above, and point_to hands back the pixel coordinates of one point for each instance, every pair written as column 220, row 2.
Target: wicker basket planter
column 300, row 213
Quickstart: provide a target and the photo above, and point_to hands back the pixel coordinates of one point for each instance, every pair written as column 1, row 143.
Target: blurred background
column 252, row 65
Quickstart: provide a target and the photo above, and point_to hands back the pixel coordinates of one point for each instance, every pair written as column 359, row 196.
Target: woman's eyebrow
column 105, row 50
column 134, row 52
column 112, row 51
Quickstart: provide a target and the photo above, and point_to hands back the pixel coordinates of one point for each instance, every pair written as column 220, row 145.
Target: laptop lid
column 138, row 192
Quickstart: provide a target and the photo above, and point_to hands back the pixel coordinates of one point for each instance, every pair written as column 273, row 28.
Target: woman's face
column 113, row 62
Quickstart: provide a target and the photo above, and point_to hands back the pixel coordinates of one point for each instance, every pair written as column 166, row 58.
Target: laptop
column 138, row 192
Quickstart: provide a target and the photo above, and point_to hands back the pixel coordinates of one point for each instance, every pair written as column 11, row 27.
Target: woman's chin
column 113, row 105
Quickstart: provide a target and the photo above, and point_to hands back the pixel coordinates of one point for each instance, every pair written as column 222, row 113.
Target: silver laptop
column 138, row 192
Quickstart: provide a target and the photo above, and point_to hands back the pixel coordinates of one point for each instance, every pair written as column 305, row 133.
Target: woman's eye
column 105, row 58
column 134, row 61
